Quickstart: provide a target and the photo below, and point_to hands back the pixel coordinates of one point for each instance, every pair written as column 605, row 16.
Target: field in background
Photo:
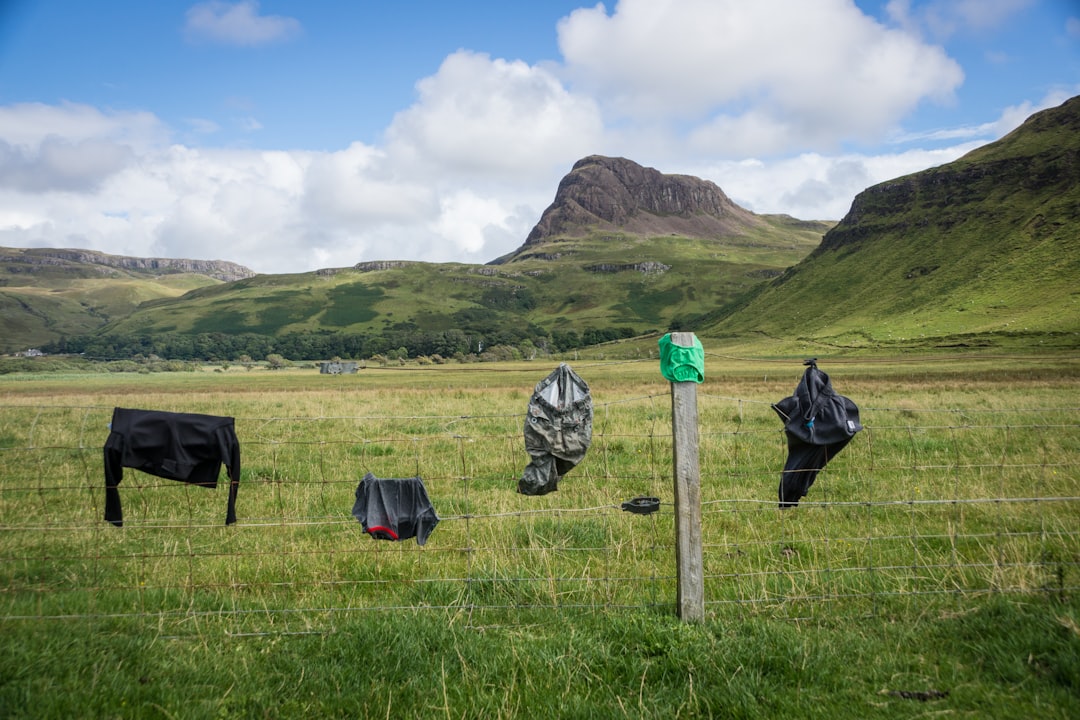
column 938, row 549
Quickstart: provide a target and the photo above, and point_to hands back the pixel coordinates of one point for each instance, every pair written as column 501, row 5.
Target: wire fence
column 924, row 505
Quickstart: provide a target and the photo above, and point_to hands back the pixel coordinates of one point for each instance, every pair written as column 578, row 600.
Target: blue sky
column 290, row 136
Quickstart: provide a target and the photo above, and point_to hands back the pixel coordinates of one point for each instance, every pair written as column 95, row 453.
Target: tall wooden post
column 687, row 474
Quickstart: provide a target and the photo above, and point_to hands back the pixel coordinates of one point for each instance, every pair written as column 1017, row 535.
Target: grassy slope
column 42, row 307
column 555, row 294
column 983, row 251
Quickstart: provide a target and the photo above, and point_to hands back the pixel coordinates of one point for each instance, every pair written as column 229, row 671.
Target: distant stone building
column 338, row 367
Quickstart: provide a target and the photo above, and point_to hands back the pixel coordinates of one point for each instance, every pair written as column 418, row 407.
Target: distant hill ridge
column 56, row 258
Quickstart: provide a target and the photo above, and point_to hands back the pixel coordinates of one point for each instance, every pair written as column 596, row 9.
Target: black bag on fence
column 818, row 423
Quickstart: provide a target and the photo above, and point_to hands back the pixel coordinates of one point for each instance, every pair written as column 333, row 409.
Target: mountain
column 983, row 251
column 608, row 194
column 623, row 249
column 46, row 293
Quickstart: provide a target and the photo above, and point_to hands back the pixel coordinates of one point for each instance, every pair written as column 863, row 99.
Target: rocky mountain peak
column 619, row 194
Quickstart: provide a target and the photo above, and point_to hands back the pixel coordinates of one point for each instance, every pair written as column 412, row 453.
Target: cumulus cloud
column 69, row 147
column 813, row 186
column 27, row 125
column 482, row 115
column 57, row 164
column 465, row 219
column 237, row 24
column 808, row 73
column 821, row 187
column 357, row 188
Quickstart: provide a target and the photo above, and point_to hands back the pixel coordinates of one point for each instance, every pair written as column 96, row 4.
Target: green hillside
column 984, row 251
column 601, row 282
column 38, row 310
column 50, row 293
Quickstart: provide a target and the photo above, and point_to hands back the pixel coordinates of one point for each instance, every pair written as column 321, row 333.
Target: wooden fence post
column 687, row 474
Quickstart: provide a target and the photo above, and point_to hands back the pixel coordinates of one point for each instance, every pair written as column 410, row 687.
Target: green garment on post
column 682, row 364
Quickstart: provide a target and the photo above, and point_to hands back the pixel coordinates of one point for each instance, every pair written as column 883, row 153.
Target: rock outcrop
column 103, row 263
column 618, row 194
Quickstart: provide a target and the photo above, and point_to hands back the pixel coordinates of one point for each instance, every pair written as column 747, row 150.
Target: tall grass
column 954, row 509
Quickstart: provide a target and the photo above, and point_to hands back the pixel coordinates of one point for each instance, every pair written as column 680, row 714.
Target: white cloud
column 812, row 186
column 281, row 211
column 812, row 73
column 237, row 24
column 478, row 115
column 821, row 187
column 466, row 218
column 1010, row 118
column 69, row 147
column 355, row 188
column 1014, row 115
column 28, row 124
column 60, row 165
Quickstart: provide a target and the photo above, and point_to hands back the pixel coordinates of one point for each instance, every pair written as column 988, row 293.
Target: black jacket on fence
column 818, row 423
column 558, row 430
column 394, row 508
column 177, row 446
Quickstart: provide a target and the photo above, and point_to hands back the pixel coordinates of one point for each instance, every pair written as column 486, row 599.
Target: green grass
column 998, row 658
column 897, row 580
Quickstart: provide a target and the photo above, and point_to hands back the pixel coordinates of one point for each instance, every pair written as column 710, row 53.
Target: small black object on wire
column 642, row 505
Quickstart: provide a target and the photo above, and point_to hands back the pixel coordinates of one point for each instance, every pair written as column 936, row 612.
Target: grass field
column 933, row 569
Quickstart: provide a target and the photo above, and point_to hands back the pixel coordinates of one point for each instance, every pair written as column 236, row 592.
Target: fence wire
column 923, row 504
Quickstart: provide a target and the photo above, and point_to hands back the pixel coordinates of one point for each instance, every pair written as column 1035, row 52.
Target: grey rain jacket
column 818, row 423
column 558, row 430
column 394, row 508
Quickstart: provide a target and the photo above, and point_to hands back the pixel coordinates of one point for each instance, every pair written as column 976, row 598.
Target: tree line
column 402, row 341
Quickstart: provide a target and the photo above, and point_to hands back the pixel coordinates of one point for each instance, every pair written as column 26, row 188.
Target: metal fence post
column 687, row 475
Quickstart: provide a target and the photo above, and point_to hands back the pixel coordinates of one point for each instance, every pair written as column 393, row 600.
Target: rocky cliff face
column 1035, row 165
column 58, row 258
column 618, row 194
